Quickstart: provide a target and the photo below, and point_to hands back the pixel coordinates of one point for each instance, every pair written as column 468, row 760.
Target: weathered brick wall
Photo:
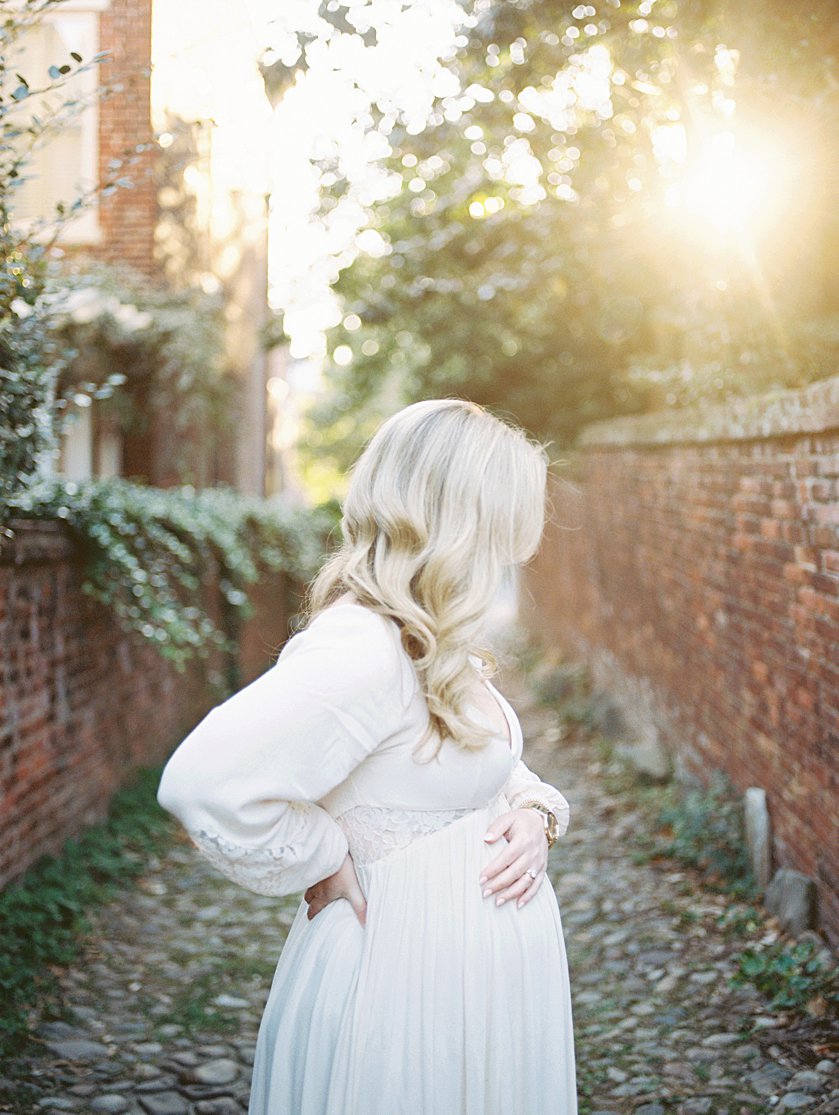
column 128, row 216
column 697, row 556
column 84, row 704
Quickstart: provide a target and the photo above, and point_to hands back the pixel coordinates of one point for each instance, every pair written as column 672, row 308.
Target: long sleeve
column 523, row 785
column 246, row 781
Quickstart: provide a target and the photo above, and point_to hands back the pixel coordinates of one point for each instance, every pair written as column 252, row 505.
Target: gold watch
column 549, row 818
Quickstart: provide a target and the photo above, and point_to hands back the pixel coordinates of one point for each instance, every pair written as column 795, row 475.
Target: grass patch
column 44, row 914
column 193, row 1008
column 193, row 1005
column 566, row 688
column 701, row 829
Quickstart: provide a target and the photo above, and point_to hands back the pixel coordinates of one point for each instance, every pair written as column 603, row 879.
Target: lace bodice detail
column 374, row 831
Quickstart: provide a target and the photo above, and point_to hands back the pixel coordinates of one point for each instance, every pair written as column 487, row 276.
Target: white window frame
column 78, row 23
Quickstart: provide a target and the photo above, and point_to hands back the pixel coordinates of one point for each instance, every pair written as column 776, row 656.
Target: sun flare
column 725, row 184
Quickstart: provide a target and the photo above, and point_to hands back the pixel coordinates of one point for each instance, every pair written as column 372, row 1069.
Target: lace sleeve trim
column 262, row 870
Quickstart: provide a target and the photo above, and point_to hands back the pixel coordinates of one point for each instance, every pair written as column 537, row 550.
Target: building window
column 67, row 163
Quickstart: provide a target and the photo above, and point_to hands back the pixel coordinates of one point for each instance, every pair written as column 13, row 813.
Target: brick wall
column 84, row 704
column 694, row 559
column 128, row 216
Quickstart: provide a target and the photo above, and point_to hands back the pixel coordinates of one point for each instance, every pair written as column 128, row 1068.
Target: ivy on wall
column 150, row 552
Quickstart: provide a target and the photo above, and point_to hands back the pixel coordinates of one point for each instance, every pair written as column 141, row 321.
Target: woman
column 375, row 768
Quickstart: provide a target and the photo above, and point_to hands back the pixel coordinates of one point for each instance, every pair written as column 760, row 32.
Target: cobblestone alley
column 169, row 993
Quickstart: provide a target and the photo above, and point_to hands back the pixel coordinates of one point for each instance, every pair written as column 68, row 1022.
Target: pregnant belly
column 422, row 885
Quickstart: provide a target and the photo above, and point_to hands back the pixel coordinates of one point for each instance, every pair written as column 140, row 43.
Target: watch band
column 548, row 817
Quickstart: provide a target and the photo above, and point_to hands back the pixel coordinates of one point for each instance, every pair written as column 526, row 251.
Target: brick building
column 114, row 144
column 128, row 217
column 113, row 129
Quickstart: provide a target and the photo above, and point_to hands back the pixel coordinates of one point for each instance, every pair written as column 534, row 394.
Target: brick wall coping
column 808, row 410
column 36, row 540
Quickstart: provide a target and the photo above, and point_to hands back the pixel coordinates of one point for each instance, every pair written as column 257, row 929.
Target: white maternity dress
column 443, row 1003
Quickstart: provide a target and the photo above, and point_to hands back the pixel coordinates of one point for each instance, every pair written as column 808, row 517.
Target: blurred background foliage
column 614, row 208
column 147, row 349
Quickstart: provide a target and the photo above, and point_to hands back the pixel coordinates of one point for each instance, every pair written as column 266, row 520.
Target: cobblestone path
column 168, row 995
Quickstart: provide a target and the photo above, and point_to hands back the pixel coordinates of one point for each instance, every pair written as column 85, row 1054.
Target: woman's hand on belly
column 517, row 872
column 343, row 884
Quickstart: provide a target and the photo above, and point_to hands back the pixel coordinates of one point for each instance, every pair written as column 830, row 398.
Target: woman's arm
column 246, row 781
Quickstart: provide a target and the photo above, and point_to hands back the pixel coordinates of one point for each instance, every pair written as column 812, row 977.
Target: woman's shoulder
column 364, row 638
column 353, row 649
column 349, row 616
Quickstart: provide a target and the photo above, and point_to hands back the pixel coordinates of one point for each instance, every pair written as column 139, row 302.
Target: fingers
column 515, row 890
column 520, row 846
column 319, row 902
column 499, row 864
column 508, row 876
column 315, row 907
column 523, row 887
column 360, row 906
column 532, row 886
column 499, row 826
column 318, row 897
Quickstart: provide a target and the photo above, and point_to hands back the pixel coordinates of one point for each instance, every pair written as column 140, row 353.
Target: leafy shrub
column 755, row 366
column 30, row 359
column 567, row 688
column 168, row 341
column 70, row 334
column 793, row 977
column 29, row 370
column 703, row 828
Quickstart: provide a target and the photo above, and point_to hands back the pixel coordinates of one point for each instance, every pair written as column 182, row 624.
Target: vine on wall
column 150, row 552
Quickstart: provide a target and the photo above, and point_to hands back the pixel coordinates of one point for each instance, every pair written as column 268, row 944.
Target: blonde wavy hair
column 443, row 499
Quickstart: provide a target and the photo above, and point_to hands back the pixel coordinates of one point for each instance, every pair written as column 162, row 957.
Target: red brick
column 127, row 218
column 711, row 572
column 93, row 703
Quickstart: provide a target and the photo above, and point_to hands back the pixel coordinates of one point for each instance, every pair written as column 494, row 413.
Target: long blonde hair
column 443, row 499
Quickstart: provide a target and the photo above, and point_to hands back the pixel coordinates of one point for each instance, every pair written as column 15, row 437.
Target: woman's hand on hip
column 343, row 884
column 518, row 870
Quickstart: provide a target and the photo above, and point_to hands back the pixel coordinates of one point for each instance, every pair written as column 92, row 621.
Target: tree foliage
column 155, row 353
column 570, row 222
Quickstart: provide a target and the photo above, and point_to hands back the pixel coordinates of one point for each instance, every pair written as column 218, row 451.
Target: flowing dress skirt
column 443, row 1004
